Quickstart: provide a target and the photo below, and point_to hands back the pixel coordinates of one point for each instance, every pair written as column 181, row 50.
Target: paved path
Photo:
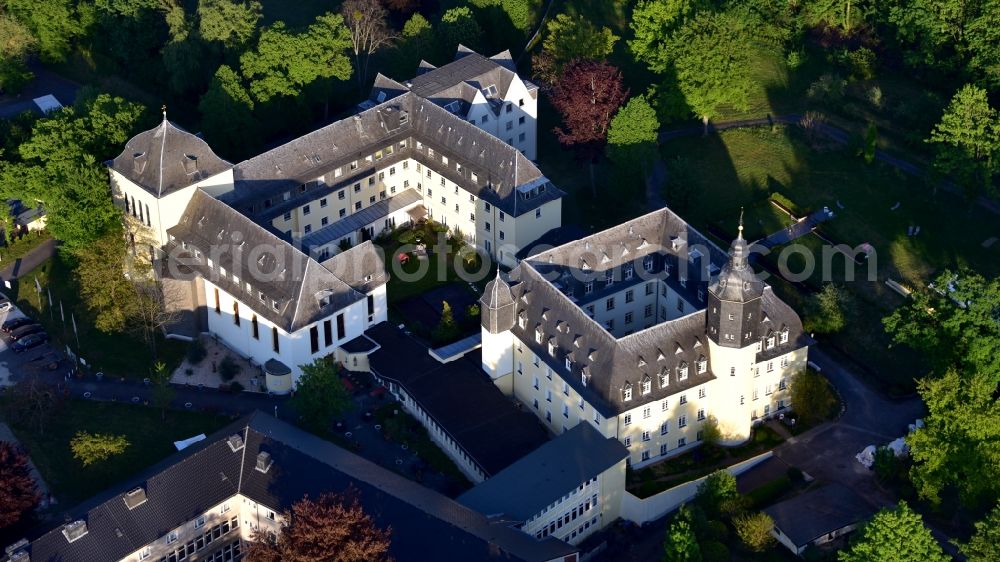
column 801, row 228
column 45, row 82
column 29, row 261
column 835, row 134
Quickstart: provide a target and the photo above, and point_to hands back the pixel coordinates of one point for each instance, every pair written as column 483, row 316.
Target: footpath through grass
column 116, row 354
column 150, row 441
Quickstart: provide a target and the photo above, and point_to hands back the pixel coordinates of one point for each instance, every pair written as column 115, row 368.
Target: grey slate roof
column 460, row 398
column 811, row 515
column 550, row 297
column 357, row 220
column 425, row 524
column 546, row 474
column 297, row 289
column 469, row 73
column 166, row 158
column 262, row 181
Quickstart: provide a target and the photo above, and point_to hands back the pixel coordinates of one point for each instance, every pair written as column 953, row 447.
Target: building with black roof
column 647, row 331
column 818, row 516
column 569, row 488
column 482, row 430
column 204, row 502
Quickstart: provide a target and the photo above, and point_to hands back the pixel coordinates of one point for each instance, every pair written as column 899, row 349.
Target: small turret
column 734, row 298
column 497, row 306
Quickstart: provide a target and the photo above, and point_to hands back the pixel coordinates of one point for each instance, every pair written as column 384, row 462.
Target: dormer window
column 770, row 342
column 664, row 378
column 629, row 269
column 569, row 364
column 701, row 295
column 647, row 385
column 666, row 269
column 583, row 379
column 609, row 277
column 784, row 336
column 758, row 346
column 684, row 282
column 682, row 372
column 552, row 348
column 538, row 335
column 521, row 321
column 647, row 263
column 702, row 365
column 588, row 287
column 627, row 392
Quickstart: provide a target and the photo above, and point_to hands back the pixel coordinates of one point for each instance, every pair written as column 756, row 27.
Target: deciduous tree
column 18, row 492
column 653, row 23
column 711, row 58
column 717, row 494
column 894, row 535
column 754, row 529
column 571, row 36
column 680, row 544
column 633, row 134
column 331, row 528
column 957, row 445
column 227, row 115
column 230, row 22
column 587, row 97
column 458, row 26
column 984, row 545
column 320, row 395
column 163, row 394
column 285, row 62
column 812, row 397
column 92, row 448
column 369, row 32
column 967, row 140
column 16, row 45
column 55, row 24
column 33, row 402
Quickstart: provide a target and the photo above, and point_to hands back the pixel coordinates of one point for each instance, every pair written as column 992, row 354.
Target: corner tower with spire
column 733, row 315
column 497, row 312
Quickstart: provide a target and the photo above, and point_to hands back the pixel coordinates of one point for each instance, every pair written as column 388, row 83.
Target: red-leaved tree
column 587, row 96
column 18, row 493
column 331, row 528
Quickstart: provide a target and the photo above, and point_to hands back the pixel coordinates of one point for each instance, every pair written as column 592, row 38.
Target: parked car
column 30, row 341
column 15, row 323
column 26, row 331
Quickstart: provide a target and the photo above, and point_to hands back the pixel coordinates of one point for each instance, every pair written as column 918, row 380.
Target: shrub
column 235, row 387
column 91, row 448
column 228, row 368
column 795, row 59
column 716, row 531
column 812, row 396
column 828, row 89
column 714, row 551
column 754, row 530
column 196, row 352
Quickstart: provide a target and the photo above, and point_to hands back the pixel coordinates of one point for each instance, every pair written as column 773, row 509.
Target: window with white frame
column 664, row 378
column 701, row 414
column 645, row 435
column 682, row 421
column 702, row 366
column 783, row 336
column 145, row 553
column 569, row 364
column 627, row 393
column 701, row 393
column 682, row 372
column 627, row 419
column 664, row 405
column 647, row 385
column 665, row 428
column 684, row 399
column 171, row 537
column 646, row 413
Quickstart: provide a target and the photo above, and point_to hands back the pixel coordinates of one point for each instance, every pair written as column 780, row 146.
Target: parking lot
column 14, row 366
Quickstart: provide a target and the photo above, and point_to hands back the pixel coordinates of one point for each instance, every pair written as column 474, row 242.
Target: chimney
column 235, row 442
column 264, row 462
column 75, row 530
column 135, row 498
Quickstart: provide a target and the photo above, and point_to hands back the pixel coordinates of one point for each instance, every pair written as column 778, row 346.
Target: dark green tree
column 130, row 32
column 227, row 115
column 653, row 23
column 711, row 58
column 967, row 140
column 458, row 26
column 824, row 311
column 16, row 45
column 680, row 544
column 632, row 136
column 894, row 535
column 717, row 494
column 56, row 24
column 812, row 396
column 984, row 545
column 284, row 62
column 320, row 395
column 233, row 23
column 957, row 447
column 572, row 36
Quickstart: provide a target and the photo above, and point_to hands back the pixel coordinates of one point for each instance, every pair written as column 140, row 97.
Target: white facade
column 517, row 124
column 251, row 335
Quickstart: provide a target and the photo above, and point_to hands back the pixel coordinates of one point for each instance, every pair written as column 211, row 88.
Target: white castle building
column 646, row 330
column 255, row 252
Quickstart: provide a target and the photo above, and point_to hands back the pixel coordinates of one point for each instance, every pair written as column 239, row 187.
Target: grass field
column 742, row 167
column 117, row 354
column 150, row 441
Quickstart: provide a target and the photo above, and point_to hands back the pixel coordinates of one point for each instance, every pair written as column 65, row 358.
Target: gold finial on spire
column 163, row 108
column 741, row 222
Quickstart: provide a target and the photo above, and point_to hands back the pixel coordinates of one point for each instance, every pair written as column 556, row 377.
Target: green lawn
column 117, row 354
column 150, row 441
column 741, row 167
